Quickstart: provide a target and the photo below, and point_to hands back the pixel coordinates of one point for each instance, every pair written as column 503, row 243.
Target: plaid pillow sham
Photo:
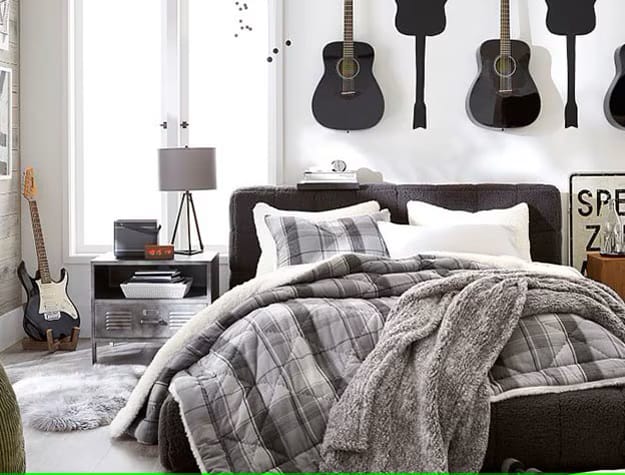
column 299, row 241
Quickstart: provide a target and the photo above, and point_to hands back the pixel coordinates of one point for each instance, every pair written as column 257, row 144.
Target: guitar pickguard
column 54, row 300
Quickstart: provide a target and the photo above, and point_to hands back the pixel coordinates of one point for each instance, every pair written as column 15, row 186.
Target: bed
column 571, row 431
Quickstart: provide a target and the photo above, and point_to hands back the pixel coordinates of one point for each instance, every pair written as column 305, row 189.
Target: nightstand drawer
column 144, row 319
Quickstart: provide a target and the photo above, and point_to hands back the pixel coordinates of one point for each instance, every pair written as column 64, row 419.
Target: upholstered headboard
column 544, row 202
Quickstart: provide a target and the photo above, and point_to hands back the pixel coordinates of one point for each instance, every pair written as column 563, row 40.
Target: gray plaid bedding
column 557, row 350
column 256, row 387
column 300, row 241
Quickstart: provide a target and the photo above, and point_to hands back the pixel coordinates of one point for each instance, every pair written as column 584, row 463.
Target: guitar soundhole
column 505, row 66
column 348, row 68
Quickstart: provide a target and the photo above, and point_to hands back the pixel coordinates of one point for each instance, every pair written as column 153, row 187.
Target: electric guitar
column 571, row 18
column 48, row 305
column 504, row 94
column 348, row 96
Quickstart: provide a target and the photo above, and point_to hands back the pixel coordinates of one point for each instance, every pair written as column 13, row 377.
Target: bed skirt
column 575, row 431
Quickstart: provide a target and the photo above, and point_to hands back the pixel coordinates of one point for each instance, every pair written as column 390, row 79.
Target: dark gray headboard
column 544, row 202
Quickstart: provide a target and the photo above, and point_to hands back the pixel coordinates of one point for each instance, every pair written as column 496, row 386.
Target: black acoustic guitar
column 614, row 104
column 504, row 94
column 571, row 18
column 420, row 18
column 348, row 96
column 48, row 306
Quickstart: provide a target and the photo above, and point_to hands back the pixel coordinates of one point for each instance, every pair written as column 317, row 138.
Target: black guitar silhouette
column 420, row 18
column 571, row 18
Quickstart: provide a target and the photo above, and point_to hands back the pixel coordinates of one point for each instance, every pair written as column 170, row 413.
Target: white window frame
column 174, row 112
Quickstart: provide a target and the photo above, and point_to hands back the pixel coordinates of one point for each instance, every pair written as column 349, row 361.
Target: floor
column 85, row 451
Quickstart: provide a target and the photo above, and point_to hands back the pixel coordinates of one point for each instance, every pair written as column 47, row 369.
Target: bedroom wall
column 10, row 232
column 453, row 149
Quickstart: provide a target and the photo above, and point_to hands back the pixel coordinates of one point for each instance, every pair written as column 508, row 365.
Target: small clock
column 339, row 166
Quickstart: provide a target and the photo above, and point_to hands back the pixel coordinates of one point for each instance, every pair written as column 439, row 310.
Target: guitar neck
column 505, row 46
column 42, row 258
column 348, row 29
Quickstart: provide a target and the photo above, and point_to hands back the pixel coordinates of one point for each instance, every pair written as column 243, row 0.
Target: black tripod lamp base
column 187, row 199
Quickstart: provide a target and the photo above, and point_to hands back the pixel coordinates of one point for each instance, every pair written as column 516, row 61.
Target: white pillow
column 486, row 239
column 268, row 261
column 517, row 217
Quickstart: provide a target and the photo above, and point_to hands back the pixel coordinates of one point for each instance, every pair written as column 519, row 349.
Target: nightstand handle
column 160, row 322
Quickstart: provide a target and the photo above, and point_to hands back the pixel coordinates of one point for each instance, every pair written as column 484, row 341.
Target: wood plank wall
column 10, row 234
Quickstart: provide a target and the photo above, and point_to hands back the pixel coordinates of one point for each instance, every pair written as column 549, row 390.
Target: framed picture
column 590, row 193
column 4, row 24
column 5, row 122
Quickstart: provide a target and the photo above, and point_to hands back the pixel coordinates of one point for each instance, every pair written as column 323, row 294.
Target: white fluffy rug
column 66, row 394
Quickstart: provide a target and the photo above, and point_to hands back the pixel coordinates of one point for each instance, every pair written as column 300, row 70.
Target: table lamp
column 187, row 169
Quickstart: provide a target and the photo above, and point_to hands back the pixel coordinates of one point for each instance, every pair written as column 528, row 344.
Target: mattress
column 574, row 431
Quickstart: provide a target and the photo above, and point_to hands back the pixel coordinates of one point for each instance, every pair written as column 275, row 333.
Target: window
column 228, row 106
column 137, row 64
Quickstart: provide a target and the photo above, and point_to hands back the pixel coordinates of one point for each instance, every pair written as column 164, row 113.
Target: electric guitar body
column 358, row 106
column 504, row 94
column 614, row 104
column 48, row 306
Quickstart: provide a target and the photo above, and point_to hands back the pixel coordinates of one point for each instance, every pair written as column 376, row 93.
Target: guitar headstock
column 30, row 187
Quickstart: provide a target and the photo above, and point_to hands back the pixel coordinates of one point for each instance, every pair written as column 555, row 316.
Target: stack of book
column 322, row 180
column 156, row 277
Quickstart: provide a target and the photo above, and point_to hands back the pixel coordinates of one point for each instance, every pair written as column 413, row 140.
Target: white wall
column 453, row 149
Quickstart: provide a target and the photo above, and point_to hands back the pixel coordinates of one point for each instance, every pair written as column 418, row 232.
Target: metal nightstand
column 117, row 319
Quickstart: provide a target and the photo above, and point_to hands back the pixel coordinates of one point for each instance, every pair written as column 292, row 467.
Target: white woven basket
column 139, row 290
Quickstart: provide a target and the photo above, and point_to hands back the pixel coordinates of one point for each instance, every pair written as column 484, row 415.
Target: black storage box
column 131, row 236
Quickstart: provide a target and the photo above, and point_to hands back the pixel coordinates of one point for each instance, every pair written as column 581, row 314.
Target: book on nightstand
column 330, row 180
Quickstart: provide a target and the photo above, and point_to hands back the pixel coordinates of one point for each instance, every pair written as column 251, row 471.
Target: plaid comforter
column 255, row 387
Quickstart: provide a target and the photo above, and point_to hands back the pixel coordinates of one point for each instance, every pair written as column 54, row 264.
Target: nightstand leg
column 94, row 351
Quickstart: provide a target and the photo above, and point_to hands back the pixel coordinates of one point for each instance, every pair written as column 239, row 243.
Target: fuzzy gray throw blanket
column 420, row 401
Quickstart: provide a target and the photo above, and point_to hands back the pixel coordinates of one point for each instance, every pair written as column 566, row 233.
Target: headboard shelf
column 544, row 202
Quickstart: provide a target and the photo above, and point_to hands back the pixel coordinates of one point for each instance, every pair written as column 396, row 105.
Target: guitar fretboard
column 506, row 48
column 348, row 32
column 506, row 63
column 42, row 258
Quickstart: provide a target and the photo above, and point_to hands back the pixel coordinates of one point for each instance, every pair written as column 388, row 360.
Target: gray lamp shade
column 186, row 169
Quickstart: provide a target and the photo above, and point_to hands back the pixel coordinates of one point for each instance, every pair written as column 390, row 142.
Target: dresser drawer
column 142, row 319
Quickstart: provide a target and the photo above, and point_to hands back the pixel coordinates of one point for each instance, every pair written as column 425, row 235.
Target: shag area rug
column 64, row 392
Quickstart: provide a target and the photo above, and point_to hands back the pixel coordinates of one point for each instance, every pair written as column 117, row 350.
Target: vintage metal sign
column 590, row 193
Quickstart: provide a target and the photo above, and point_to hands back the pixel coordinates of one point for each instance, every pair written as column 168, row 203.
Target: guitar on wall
column 48, row 306
column 571, row 18
column 348, row 96
column 614, row 104
column 504, row 94
column 420, row 18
